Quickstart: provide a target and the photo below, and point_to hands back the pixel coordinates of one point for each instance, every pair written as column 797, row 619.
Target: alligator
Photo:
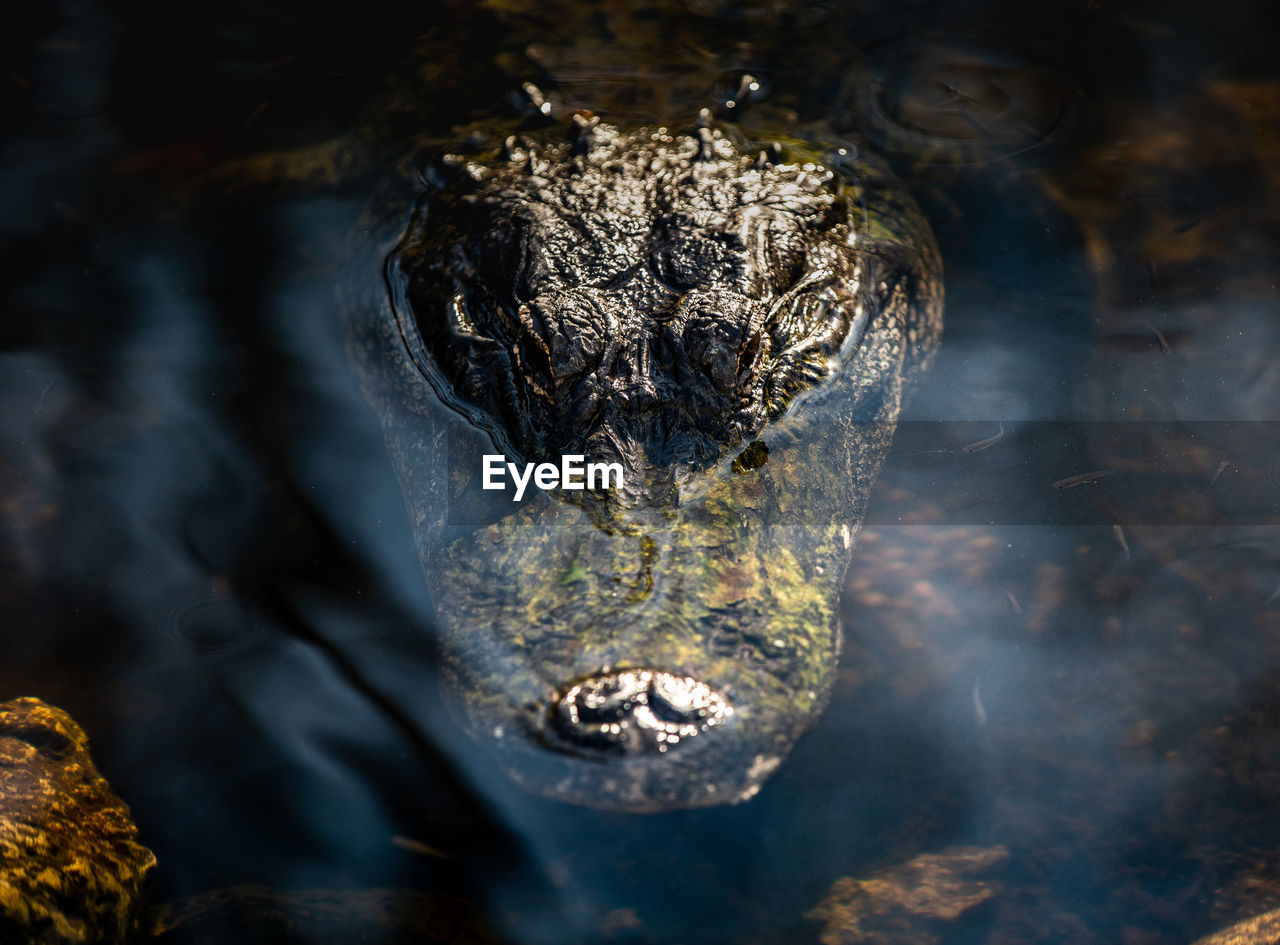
column 729, row 324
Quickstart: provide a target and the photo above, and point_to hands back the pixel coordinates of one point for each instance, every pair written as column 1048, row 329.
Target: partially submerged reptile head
column 731, row 328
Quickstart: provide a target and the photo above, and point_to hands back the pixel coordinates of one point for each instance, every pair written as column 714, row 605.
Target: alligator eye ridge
column 661, row 279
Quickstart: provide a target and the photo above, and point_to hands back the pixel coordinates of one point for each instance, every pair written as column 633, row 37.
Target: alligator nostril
column 636, row 711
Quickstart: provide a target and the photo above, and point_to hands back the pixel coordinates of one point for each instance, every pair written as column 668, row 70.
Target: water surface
column 205, row 555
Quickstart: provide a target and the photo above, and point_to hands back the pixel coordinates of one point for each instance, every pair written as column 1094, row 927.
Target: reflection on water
column 206, row 558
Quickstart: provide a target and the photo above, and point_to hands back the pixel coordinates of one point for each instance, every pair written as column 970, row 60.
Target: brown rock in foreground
column 71, row 867
column 909, row 903
column 1257, row 930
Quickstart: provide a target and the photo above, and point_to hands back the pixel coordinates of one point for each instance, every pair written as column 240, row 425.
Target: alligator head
column 731, row 331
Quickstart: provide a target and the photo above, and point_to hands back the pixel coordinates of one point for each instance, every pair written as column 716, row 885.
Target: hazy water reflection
column 206, row 560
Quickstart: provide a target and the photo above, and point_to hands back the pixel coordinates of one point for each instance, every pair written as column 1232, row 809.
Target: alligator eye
column 534, row 353
column 816, row 320
column 724, row 337
column 564, row 334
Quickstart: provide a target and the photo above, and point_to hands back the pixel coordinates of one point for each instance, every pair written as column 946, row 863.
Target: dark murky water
column 205, row 556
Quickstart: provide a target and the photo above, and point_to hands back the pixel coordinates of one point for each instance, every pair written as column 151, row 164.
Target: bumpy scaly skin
column 658, row 300
column 71, row 869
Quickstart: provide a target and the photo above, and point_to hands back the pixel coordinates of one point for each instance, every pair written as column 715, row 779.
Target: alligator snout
column 635, row 712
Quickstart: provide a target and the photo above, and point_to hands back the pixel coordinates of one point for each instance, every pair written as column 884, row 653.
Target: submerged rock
column 71, row 867
column 1256, row 930
column 909, row 904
